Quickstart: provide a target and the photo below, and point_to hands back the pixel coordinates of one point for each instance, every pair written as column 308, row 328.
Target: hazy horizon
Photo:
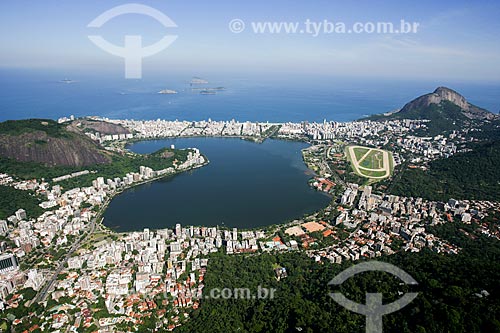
column 456, row 40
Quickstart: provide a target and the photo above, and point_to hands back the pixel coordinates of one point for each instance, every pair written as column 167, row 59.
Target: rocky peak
column 447, row 94
column 441, row 94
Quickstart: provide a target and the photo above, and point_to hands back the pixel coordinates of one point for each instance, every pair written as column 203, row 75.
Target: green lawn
column 374, row 160
column 360, row 152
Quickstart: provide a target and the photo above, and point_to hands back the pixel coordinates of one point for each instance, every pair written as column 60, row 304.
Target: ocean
column 275, row 98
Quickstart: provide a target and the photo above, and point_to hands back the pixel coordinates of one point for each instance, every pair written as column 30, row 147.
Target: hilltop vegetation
column 12, row 199
column 443, row 117
column 18, row 127
column 472, row 175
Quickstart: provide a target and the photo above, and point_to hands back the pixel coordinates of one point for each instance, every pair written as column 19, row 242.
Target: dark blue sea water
column 40, row 94
column 245, row 185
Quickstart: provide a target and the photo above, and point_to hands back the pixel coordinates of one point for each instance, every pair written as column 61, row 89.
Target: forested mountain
column 472, row 175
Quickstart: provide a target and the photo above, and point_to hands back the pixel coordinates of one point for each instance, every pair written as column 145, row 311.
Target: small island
column 167, row 92
column 198, row 80
column 67, row 81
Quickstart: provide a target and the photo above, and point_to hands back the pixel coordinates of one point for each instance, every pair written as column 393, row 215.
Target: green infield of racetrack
column 371, row 162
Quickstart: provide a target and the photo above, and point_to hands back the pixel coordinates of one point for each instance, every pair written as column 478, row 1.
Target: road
column 334, row 174
column 42, row 294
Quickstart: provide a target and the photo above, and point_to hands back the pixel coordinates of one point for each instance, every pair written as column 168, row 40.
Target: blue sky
column 457, row 40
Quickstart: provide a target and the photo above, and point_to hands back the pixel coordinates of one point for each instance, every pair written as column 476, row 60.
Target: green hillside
column 17, row 127
column 12, row 199
column 446, row 287
column 472, row 175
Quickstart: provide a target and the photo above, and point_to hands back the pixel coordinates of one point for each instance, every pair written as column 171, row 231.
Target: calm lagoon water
column 245, row 185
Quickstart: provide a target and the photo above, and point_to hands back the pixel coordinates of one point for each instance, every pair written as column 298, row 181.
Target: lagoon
column 246, row 185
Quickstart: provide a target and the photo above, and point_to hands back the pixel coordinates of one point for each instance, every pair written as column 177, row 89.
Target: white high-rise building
column 129, row 247
column 75, row 263
column 85, row 283
column 35, row 279
column 146, row 234
column 21, row 214
column 4, row 228
column 175, row 247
